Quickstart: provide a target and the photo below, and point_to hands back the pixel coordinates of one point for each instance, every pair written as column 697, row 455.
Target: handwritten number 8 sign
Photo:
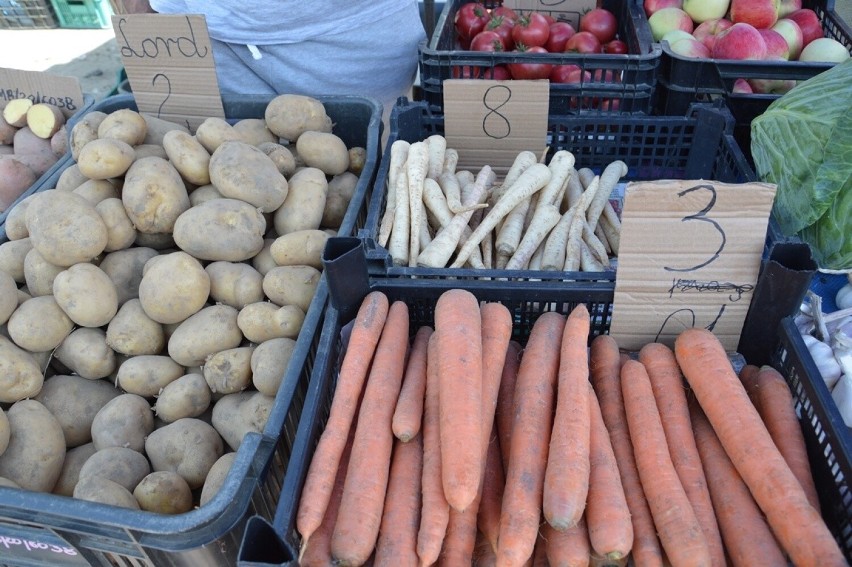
column 494, row 124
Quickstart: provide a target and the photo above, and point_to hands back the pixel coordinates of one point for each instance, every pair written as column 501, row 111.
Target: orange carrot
column 567, row 548
column 460, row 541
column 505, row 400
column 496, row 333
column 670, row 394
column 360, row 513
column 747, row 537
column 566, row 480
column 540, row 552
column 748, row 376
column 409, row 408
column 436, row 512
column 677, row 526
column 775, row 405
column 458, row 325
column 397, row 543
column 607, row 514
column 488, row 518
column 319, row 481
column 799, row 528
column 605, row 366
column 533, row 410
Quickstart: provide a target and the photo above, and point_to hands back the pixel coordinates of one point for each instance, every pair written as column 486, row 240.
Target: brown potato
column 188, row 396
column 119, row 464
column 221, row 229
column 229, row 370
column 20, row 374
column 84, row 131
column 305, row 202
column 188, row 156
column 147, row 374
column 33, row 459
column 131, row 332
column 241, row 171
column 124, row 421
column 263, row 321
column 124, row 268
column 65, row 228
column 269, row 362
column 234, row 283
column 124, row 124
column 86, row 294
column 323, row 150
column 121, row 233
column 173, row 287
column 235, row 415
column 164, row 492
column 189, row 447
column 291, row 285
column 105, row 158
column 214, row 132
column 86, row 353
column 39, row 324
column 74, row 459
column 154, row 195
column 211, row 330
column 289, row 115
column 74, row 401
column 96, row 488
column 216, row 477
column 301, row 247
column 254, row 131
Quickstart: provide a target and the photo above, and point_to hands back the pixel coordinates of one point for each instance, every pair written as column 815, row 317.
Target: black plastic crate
column 442, row 58
column 26, row 14
column 698, row 146
column 277, row 543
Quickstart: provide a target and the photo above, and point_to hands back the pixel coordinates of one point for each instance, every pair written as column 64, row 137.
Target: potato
column 158, row 241
column 254, row 131
column 203, row 194
column 74, row 459
column 164, row 492
column 188, row 156
column 15, row 178
column 5, row 433
column 20, row 374
column 12, row 256
column 357, row 159
column 86, row 353
column 131, row 332
column 302, row 247
column 263, row 260
column 70, row 178
column 281, row 156
column 216, row 477
column 16, row 219
column 234, row 415
column 145, row 375
column 124, row 421
column 291, row 285
column 154, row 195
column 341, row 189
column 65, row 228
column 8, row 296
column 96, row 190
column 124, row 124
column 305, row 202
column 86, row 294
column 188, row 447
column 15, row 112
column 7, row 131
column 221, row 229
column 323, row 150
column 173, row 287
column 263, row 321
column 229, row 370
column 269, row 362
column 45, row 119
column 103, row 490
column 212, row 329
column 74, row 401
column 39, row 163
column 105, row 158
column 188, row 396
column 39, row 324
column 59, row 142
column 124, row 268
column 120, row 230
column 241, row 171
column 214, row 132
column 151, row 150
column 289, row 115
column 156, row 129
column 118, row 464
column 33, row 459
column 234, row 283
column 84, row 131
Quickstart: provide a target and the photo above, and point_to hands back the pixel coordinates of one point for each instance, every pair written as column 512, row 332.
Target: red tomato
column 471, row 19
column 486, row 41
column 498, row 72
column 615, row 46
column 560, row 33
column 550, row 19
column 601, row 23
column 567, row 74
column 583, row 42
column 530, row 70
column 502, row 27
column 531, row 30
column 505, row 13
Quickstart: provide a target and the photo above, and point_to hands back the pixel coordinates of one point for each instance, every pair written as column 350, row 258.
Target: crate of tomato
column 602, row 61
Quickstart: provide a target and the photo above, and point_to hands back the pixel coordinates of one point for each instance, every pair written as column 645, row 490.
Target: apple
column 652, row 6
column 675, row 35
column 809, row 23
column 771, row 86
column 601, row 23
column 615, row 47
column 740, row 41
column 706, row 32
column 583, row 42
column 759, row 13
column 792, row 34
column 668, row 19
column 702, row 10
column 776, row 45
column 825, row 50
column 741, row 86
column 690, row 47
column 787, row 7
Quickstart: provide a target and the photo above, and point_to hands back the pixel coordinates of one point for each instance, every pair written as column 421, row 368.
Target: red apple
column 616, row 47
column 690, row 47
column 809, row 23
column 792, row 34
column 560, row 33
column 652, row 6
column 583, row 42
column 759, row 13
column 787, row 7
column 706, row 32
column 771, row 86
column 776, row 45
column 741, row 86
column 740, row 41
column 601, row 23
column 825, row 50
column 702, row 10
column 668, row 19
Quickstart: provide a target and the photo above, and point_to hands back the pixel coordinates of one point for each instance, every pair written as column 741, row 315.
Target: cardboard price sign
column 689, row 256
column 564, row 10
column 491, row 122
column 63, row 92
column 169, row 63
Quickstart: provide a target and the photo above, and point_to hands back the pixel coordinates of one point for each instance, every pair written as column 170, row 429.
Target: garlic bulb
column 841, row 344
column 823, row 356
column 843, row 299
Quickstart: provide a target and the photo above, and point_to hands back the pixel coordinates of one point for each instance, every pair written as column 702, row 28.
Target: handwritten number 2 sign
column 689, row 257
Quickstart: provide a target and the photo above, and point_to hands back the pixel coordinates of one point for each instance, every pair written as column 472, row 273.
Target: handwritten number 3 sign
column 690, row 255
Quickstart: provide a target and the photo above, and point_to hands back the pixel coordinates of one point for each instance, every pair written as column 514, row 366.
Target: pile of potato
column 32, row 139
column 149, row 304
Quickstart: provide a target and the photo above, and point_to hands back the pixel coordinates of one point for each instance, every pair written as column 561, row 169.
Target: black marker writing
column 686, row 286
column 150, row 47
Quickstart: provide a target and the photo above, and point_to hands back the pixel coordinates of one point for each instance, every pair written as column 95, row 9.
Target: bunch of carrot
column 465, row 448
column 538, row 217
